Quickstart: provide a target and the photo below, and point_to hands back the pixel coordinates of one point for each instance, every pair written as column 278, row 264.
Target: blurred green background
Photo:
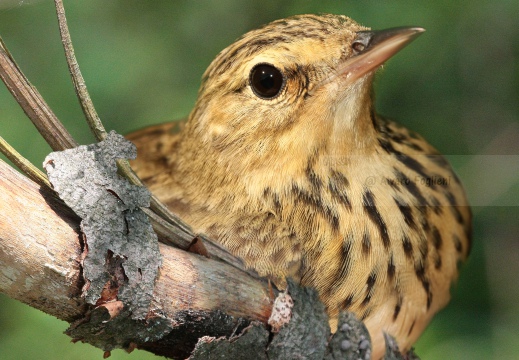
column 458, row 85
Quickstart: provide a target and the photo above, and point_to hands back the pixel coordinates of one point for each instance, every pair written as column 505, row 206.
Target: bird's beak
column 373, row 48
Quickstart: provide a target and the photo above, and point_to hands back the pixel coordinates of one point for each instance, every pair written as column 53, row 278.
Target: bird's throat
column 354, row 126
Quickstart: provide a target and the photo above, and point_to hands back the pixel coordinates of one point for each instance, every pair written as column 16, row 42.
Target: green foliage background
column 458, row 85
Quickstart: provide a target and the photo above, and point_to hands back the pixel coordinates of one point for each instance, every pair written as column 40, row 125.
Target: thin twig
column 23, row 164
column 33, row 104
column 77, row 78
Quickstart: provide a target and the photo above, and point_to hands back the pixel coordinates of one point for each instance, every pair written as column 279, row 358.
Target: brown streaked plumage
column 299, row 177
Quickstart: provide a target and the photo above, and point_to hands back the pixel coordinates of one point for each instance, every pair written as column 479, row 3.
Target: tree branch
column 40, row 258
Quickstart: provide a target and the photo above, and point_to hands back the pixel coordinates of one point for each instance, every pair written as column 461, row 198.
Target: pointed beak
column 373, row 48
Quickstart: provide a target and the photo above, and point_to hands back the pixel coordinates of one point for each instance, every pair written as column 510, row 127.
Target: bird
column 285, row 163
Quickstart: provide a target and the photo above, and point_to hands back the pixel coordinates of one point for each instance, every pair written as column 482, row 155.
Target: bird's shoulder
column 155, row 144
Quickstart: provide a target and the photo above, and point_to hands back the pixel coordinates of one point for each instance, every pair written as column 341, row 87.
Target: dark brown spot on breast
column 339, row 178
column 406, row 160
column 366, row 244
column 333, row 219
column 372, row 278
column 411, row 328
column 347, row 303
column 437, row 261
column 457, row 243
column 370, row 283
column 392, row 183
column 312, row 177
column 366, row 300
column 399, row 138
column 417, row 167
column 426, row 227
column 406, row 212
column 314, row 201
column 436, row 238
column 411, row 187
column 386, row 145
column 414, row 146
column 370, row 207
column 391, row 268
column 423, row 246
column 398, row 307
column 457, row 214
column 436, row 206
column 420, row 274
column 454, row 207
column 344, row 264
column 429, row 300
column 408, row 247
column 337, row 185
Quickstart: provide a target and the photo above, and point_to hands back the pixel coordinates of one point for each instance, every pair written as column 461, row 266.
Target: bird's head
column 293, row 86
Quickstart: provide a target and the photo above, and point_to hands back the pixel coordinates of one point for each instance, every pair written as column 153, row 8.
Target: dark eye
column 266, row 81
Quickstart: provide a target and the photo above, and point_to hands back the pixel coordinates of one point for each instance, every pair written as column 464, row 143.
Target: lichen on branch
column 121, row 254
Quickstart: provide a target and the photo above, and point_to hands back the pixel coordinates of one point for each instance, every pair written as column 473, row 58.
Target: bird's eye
column 266, row 81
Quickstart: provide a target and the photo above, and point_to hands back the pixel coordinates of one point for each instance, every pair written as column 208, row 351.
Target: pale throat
column 353, row 129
